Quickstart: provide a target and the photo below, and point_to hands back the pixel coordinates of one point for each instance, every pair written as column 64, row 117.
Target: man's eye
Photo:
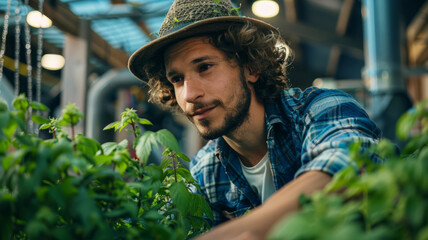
column 204, row 67
column 176, row 79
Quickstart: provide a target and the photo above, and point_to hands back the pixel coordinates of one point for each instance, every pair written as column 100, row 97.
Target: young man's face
column 210, row 89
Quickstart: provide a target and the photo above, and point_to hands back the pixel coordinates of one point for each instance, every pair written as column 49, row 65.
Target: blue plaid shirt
column 306, row 130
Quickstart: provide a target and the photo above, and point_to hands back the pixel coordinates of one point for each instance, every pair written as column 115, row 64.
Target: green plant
column 71, row 187
column 385, row 201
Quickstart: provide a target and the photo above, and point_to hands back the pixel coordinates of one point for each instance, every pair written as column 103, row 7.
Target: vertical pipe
column 383, row 73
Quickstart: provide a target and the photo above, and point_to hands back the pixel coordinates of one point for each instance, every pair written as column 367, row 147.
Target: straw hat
column 187, row 18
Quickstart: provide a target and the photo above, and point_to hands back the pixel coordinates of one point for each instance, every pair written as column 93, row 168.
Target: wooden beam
column 290, row 10
column 65, row 20
column 417, row 35
column 418, row 23
column 344, row 16
column 47, row 46
column 342, row 25
column 316, row 35
column 145, row 29
column 418, row 53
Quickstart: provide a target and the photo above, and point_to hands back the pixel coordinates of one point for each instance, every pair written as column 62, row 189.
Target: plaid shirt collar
column 229, row 159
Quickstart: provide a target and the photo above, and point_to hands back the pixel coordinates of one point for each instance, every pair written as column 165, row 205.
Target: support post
column 75, row 72
column 383, row 71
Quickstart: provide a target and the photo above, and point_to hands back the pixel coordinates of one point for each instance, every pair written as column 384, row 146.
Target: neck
column 249, row 140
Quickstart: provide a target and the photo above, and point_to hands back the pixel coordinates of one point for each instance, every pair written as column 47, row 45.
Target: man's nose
column 193, row 90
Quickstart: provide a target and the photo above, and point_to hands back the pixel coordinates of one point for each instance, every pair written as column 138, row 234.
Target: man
column 268, row 143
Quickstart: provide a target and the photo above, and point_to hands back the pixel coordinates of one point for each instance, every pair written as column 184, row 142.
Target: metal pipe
column 383, row 72
column 99, row 92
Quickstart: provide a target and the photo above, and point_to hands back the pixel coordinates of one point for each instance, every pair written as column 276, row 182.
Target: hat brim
column 146, row 53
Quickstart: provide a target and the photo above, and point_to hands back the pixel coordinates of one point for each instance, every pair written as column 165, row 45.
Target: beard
column 235, row 115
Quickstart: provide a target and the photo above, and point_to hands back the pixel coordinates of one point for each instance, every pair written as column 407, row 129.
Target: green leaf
column 167, row 139
column 121, row 166
column 46, row 214
column 405, row 124
column 416, row 209
column 86, row 210
column 423, row 234
column 44, row 126
column 152, row 215
column 123, row 144
column 182, row 156
column 4, row 114
column 112, row 125
column 38, row 119
column 39, row 106
column 200, row 207
column 21, row 103
column 180, row 196
column 87, row 145
column 103, row 159
column 185, row 173
column 7, row 162
column 110, row 147
column 4, row 145
column 144, row 146
column 154, row 171
column 71, row 115
column 19, row 119
column 144, row 121
column 143, row 187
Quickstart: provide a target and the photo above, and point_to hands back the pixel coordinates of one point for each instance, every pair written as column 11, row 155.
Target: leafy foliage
column 387, row 201
column 71, row 187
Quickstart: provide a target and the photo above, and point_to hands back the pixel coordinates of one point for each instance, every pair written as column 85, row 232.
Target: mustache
column 198, row 106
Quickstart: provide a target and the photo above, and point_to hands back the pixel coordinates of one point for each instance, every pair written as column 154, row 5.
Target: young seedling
column 129, row 117
column 71, row 116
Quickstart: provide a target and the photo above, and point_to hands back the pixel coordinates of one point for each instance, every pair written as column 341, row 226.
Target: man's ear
column 251, row 77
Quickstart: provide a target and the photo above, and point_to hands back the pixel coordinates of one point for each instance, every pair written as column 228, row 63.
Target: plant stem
column 72, row 133
column 173, row 166
column 72, row 137
column 134, row 129
column 135, row 137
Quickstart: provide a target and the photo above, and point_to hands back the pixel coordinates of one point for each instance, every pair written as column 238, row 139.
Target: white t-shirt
column 260, row 178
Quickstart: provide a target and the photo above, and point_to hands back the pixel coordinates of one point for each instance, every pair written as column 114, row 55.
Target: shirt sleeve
column 333, row 121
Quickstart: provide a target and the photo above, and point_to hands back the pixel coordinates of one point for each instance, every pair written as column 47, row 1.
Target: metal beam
column 65, row 20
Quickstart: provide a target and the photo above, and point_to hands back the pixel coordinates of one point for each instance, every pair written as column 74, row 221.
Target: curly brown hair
column 261, row 52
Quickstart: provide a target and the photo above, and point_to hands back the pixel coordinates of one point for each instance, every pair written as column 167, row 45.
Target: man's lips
column 202, row 113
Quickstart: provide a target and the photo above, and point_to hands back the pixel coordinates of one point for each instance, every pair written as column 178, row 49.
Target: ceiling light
column 37, row 20
column 265, row 8
column 53, row 61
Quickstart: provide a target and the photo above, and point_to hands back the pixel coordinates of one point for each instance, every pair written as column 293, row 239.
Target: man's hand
column 258, row 222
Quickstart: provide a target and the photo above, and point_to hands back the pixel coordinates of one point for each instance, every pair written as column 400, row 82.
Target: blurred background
column 62, row 51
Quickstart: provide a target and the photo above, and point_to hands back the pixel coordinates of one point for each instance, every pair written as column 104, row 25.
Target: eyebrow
column 201, row 59
column 194, row 61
